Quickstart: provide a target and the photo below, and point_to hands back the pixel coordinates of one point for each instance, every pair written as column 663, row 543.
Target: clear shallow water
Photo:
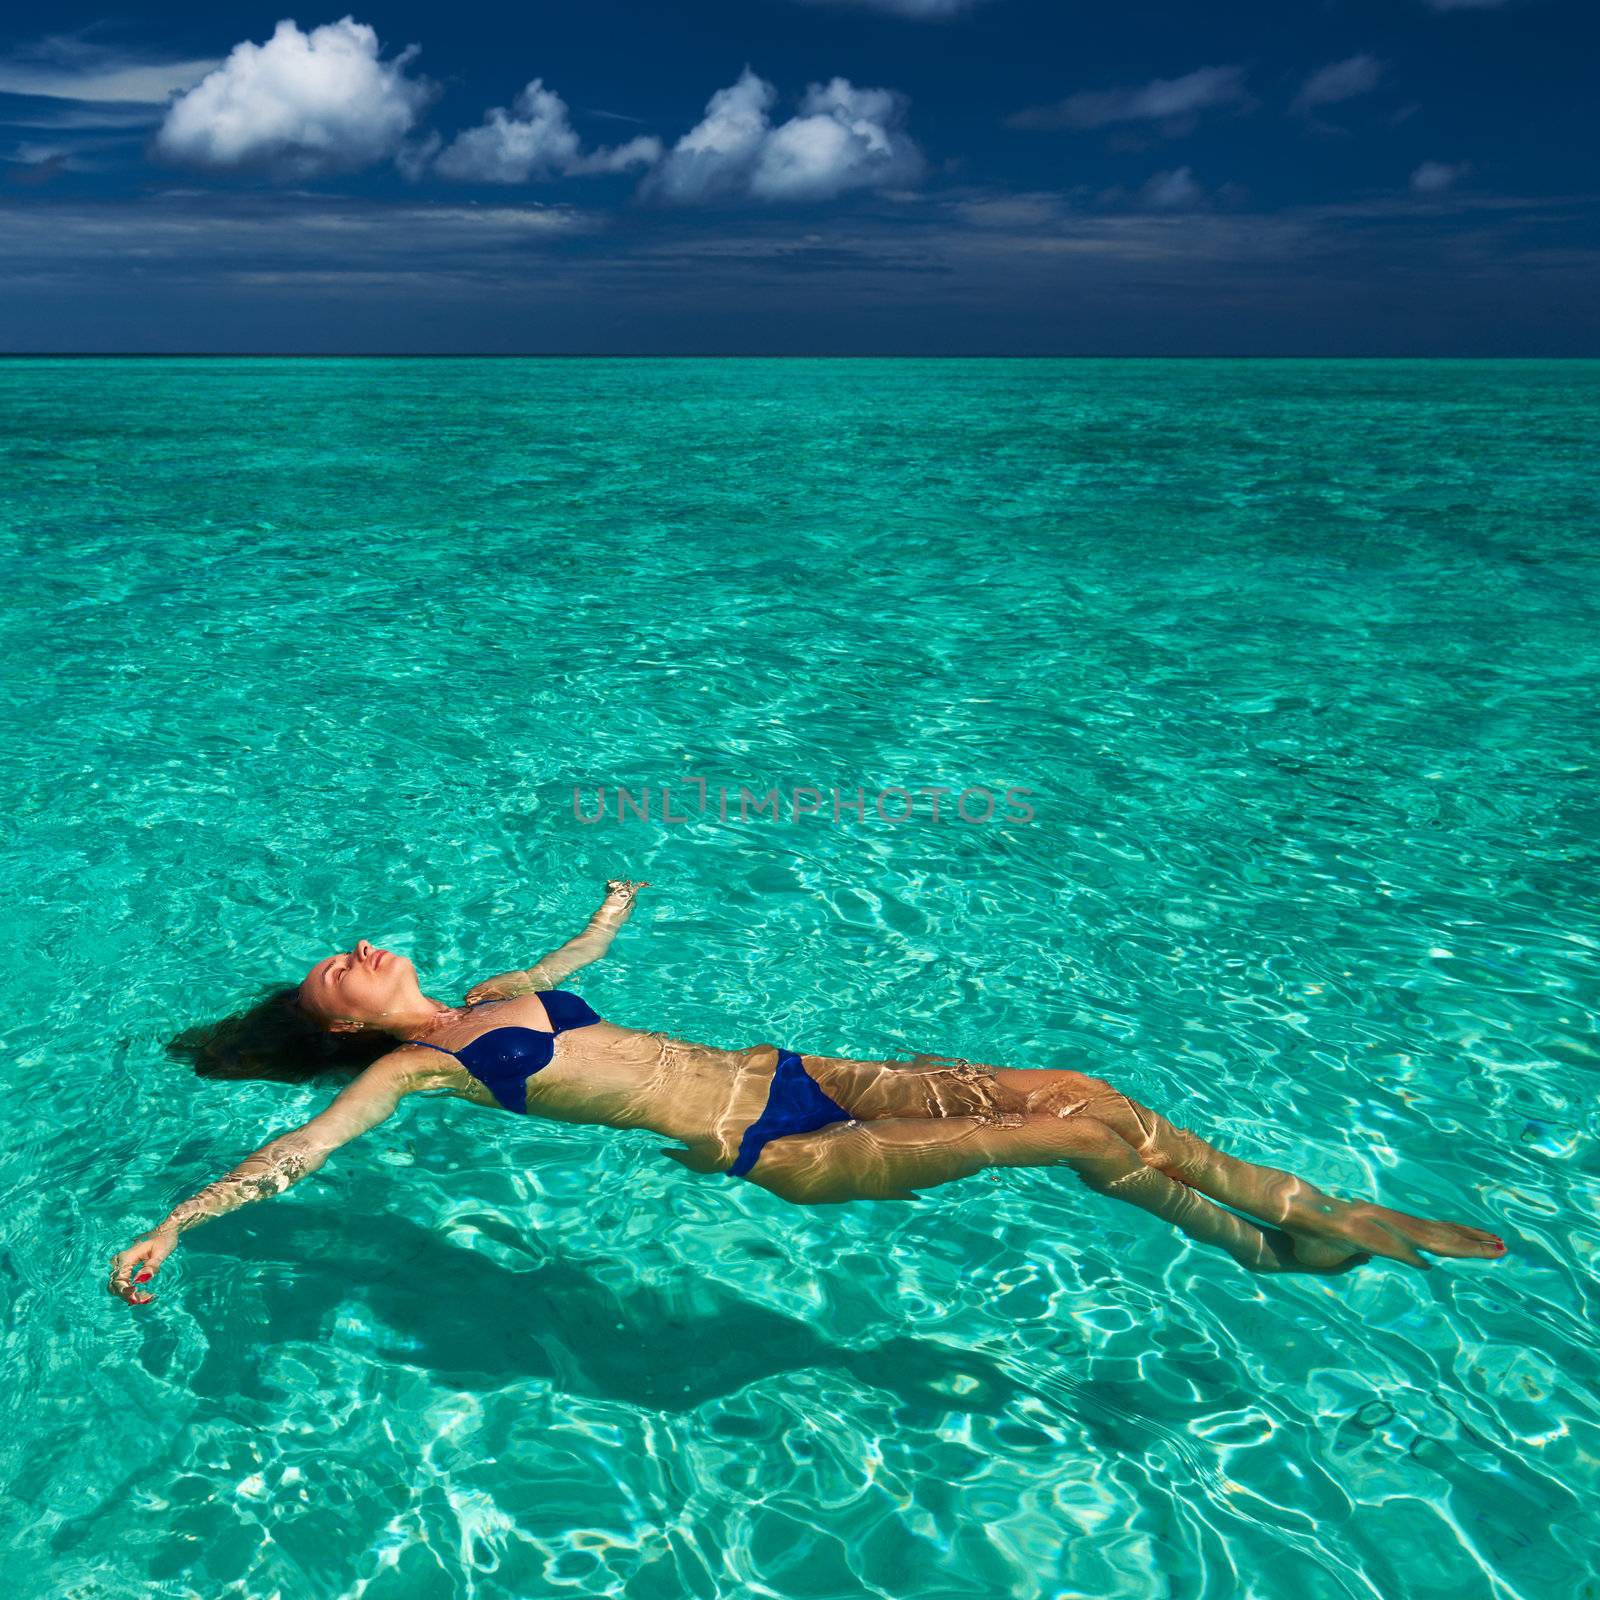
column 1299, row 661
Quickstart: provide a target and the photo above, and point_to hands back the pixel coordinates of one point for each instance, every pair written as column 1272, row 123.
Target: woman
column 813, row 1130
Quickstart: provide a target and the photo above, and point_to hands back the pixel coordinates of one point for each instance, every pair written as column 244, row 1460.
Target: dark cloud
column 1339, row 81
column 1162, row 100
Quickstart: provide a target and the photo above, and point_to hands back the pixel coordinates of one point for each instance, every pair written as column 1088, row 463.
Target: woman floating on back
column 811, row 1129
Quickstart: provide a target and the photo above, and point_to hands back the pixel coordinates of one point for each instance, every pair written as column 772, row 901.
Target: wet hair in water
column 274, row 1040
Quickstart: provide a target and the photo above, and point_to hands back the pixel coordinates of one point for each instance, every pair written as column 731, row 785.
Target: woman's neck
column 431, row 1016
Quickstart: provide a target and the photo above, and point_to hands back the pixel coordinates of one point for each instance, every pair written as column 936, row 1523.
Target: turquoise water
column 1298, row 662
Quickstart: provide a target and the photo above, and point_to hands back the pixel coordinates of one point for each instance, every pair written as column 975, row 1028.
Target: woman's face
column 359, row 987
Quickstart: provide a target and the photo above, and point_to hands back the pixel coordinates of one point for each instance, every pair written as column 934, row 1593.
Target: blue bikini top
column 503, row 1059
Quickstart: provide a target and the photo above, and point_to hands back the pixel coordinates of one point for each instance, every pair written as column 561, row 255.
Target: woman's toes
column 1468, row 1242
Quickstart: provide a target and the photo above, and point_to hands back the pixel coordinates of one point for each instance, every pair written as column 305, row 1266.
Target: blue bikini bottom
column 794, row 1105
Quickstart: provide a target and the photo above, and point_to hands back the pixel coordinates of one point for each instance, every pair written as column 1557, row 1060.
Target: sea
column 1226, row 729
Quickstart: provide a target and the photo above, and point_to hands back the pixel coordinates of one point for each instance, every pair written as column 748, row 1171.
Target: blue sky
column 805, row 176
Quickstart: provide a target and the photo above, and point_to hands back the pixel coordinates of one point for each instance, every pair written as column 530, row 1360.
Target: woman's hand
column 505, row 987
column 140, row 1262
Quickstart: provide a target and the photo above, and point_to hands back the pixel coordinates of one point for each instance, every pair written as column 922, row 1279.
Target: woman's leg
column 891, row 1158
column 1324, row 1228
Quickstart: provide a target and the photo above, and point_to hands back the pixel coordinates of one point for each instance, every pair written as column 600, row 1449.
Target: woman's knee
column 1096, row 1148
column 1051, row 1092
column 1087, row 1132
column 1158, row 1142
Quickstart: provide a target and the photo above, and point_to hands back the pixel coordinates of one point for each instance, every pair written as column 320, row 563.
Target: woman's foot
column 1359, row 1226
column 1288, row 1250
column 1437, row 1238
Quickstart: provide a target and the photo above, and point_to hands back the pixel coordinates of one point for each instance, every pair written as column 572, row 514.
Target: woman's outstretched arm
column 270, row 1170
column 550, row 970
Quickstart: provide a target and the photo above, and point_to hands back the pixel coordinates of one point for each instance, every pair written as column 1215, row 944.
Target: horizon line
column 753, row 355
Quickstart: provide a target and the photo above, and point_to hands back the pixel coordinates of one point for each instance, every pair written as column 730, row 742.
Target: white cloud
column 843, row 138
column 1172, row 191
column 1436, row 177
column 300, row 105
column 1160, row 100
column 535, row 139
column 719, row 153
column 1340, row 80
column 67, row 68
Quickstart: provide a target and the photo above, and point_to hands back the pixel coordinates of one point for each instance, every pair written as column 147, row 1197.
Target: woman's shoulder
column 411, row 1067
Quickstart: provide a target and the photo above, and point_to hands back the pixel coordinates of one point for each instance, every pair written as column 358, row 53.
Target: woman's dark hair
column 275, row 1040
